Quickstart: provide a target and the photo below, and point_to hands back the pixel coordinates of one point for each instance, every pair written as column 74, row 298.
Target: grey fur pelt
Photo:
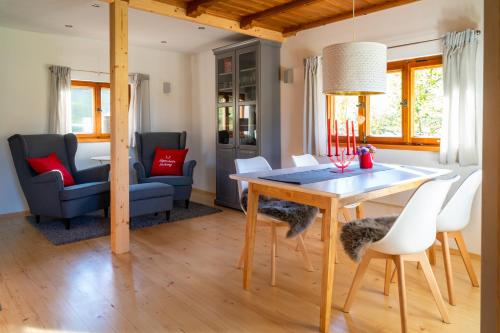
column 298, row 216
column 359, row 234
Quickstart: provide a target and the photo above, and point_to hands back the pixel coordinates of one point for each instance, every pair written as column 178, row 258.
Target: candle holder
column 343, row 160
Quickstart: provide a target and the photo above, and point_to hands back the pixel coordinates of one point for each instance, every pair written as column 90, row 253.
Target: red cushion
column 51, row 163
column 168, row 162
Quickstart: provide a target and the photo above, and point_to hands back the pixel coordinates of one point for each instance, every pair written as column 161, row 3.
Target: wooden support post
column 118, row 33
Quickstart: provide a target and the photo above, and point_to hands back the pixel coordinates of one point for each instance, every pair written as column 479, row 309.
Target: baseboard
column 455, row 252
column 22, row 213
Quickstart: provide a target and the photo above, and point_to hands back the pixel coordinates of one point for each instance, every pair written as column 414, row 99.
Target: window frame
column 97, row 136
column 407, row 141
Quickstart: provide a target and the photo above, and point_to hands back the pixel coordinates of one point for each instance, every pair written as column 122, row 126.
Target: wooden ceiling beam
column 250, row 21
column 167, row 8
column 197, row 7
column 291, row 31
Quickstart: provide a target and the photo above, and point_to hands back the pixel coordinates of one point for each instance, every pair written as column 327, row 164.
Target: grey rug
column 96, row 225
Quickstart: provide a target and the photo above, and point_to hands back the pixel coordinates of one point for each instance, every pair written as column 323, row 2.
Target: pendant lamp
column 354, row 68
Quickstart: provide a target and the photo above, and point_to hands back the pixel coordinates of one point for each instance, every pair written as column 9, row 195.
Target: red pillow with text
column 168, row 162
column 51, row 163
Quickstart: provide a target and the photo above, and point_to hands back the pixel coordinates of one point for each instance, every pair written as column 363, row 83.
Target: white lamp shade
column 357, row 68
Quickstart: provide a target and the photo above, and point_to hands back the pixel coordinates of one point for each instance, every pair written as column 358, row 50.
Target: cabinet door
column 226, row 189
column 247, row 93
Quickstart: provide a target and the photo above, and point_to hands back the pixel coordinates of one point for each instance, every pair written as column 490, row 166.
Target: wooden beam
column 291, row 31
column 197, row 7
column 249, row 21
column 490, row 220
column 118, row 33
column 172, row 10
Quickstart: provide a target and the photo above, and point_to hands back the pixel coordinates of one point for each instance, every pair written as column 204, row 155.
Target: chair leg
column 346, row 214
column 186, row 203
column 402, row 293
column 356, row 282
column 67, row 224
column 37, row 219
column 304, row 235
column 432, row 255
column 167, row 215
column 388, row 277
column 274, row 245
column 443, row 237
column 305, row 254
column 360, row 211
column 242, row 258
column 433, row 286
column 466, row 258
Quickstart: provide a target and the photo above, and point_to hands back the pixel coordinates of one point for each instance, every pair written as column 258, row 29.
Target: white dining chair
column 256, row 164
column 412, row 233
column 454, row 217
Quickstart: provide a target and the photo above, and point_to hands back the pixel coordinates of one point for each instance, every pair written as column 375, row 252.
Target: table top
column 348, row 186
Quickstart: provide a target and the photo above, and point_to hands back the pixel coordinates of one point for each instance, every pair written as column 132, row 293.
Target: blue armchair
column 45, row 193
column 146, row 144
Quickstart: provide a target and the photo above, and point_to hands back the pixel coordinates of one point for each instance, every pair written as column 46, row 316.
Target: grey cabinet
column 247, row 110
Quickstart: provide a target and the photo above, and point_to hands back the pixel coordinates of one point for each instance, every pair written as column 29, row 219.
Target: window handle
column 404, row 103
column 99, row 110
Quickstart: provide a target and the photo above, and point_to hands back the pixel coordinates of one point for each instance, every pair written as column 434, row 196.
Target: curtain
column 138, row 114
column 458, row 139
column 60, row 100
column 314, row 134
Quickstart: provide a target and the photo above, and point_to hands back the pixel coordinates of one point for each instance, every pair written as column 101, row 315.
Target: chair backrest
column 40, row 145
column 456, row 213
column 246, row 165
column 415, row 228
column 304, row 160
column 146, row 144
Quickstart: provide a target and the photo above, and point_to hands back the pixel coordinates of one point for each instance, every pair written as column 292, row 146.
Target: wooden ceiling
column 270, row 19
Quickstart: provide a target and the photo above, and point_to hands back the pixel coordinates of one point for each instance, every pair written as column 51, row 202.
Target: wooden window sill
column 93, row 139
column 395, row 146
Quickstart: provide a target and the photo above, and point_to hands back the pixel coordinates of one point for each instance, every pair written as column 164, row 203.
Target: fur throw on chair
column 359, row 234
column 298, row 216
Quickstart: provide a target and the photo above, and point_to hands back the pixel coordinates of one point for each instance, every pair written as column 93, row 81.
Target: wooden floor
column 181, row 277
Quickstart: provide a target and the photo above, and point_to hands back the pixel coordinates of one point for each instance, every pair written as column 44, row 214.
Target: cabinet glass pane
column 225, row 80
column 105, row 111
column 247, row 76
column 248, row 125
column 225, row 125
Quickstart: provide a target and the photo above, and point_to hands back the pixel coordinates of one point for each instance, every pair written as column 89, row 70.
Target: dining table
column 329, row 196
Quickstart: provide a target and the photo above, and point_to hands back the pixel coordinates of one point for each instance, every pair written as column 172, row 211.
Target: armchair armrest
column 51, row 178
column 95, row 174
column 188, row 168
column 141, row 172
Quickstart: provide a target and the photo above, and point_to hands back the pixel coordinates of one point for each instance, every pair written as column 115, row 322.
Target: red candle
column 347, row 138
column 353, row 139
column 329, row 135
column 336, row 139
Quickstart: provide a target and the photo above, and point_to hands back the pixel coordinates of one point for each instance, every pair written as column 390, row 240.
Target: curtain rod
column 87, row 71
column 478, row 32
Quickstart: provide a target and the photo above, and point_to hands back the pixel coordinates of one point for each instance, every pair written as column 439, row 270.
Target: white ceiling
column 145, row 29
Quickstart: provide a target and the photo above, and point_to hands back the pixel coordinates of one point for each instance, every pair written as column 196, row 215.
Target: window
column 408, row 115
column 90, row 110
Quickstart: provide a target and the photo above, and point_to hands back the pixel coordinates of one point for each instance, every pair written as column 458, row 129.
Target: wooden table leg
column 253, row 204
column 360, row 211
column 330, row 222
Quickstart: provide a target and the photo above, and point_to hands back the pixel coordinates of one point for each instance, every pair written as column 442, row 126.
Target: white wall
column 24, row 60
column 422, row 20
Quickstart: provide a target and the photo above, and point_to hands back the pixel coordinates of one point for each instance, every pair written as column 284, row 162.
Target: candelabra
column 342, row 160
